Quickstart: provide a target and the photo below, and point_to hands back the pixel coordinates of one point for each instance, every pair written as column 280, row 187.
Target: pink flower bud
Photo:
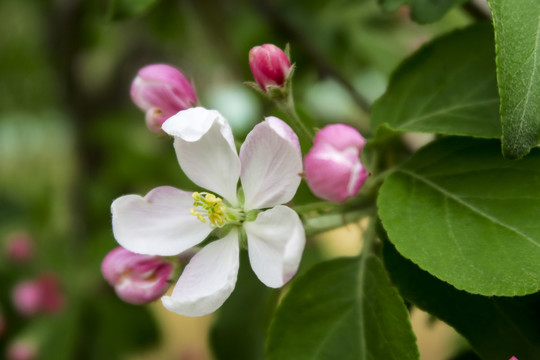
column 137, row 279
column 161, row 91
column 42, row 295
column 269, row 66
column 513, row 358
column 3, row 324
column 333, row 168
column 19, row 248
column 21, row 350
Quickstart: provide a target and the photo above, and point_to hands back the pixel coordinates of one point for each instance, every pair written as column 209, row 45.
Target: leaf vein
column 469, row 206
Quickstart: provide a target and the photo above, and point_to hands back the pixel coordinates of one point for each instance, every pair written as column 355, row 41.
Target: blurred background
column 71, row 141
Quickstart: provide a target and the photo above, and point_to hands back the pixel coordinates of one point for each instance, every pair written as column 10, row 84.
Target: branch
column 273, row 15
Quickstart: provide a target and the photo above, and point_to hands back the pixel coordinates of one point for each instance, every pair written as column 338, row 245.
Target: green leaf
column 461, row 211
column 447, row 87
column 496, row 327
column 342, row 309
column 124, row 9
column 239, row 331
column 517, row 36
column 422, row 11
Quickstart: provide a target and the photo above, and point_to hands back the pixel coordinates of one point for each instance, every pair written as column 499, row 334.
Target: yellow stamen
column 212, row 208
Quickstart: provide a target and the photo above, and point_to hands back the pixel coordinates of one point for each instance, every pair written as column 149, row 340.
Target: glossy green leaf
column 465, row 214
column 422, row 11
column 517, row 35
column 447, row 87
column 342, row 309
column 123, row 9
column 496, row 327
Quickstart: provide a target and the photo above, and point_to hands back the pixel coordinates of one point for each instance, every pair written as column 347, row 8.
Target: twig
column 295, row 35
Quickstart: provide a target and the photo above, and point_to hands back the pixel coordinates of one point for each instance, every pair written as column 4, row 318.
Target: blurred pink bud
column 3, row 324
column 137, row 279
column 513, row 358
column 270, row 66
column 161, row 91
column 333, row 168
column 42, row 295
column 19, row 248
column 21, row 350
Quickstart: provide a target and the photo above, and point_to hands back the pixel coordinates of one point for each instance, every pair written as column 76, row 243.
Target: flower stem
column 286, row 105
column 314, row 225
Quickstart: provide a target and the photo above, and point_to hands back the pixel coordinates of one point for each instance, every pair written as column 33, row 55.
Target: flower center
column 208, row 206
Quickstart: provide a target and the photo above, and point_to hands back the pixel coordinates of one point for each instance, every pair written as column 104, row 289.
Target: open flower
column 168, row 221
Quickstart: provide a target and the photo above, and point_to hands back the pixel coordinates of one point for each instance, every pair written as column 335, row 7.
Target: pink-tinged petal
column 271, row 164
column 206, row 151
column 333, row 168
column 334, row 175
column 161, row 91
column 208, row 280
column 340, row 137
column 136, row 278
column 276, row 241
column 158, row 224
column 154, row 119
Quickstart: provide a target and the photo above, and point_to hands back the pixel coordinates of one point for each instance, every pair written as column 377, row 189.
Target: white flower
column 168, row 221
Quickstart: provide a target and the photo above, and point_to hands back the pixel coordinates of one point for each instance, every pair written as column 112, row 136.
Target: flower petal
column 208, row 280
column 271, row 164
column 158, row 224
column 205, row 149
column 276, row 241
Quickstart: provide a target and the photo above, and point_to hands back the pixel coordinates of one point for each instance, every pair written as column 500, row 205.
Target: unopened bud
column 333, row 168
column 270, row 66
column 161, row 91
column 42, row 295
column 21, row 349
column 19, row 248
column 137, row 279
column 3, row 324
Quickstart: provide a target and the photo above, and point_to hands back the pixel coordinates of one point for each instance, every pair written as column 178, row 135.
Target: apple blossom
column 168, row 221
column 19, row 248
column 137, row 279
column 161, row 91
column 333, row 168
column 21, row 349
column 42, row 295
column 269, row 65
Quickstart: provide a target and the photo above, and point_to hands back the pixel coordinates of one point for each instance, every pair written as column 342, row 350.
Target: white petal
column 208, row 280
column 276, row 241
column 158, row 224
column 271, row 165
column 205, row 149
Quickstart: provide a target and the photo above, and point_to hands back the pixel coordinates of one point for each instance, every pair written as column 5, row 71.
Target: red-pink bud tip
column 270, row 66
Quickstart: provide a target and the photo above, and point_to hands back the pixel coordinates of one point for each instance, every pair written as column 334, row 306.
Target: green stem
column 287, row 106
column 369, row 237
column 317, row 224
